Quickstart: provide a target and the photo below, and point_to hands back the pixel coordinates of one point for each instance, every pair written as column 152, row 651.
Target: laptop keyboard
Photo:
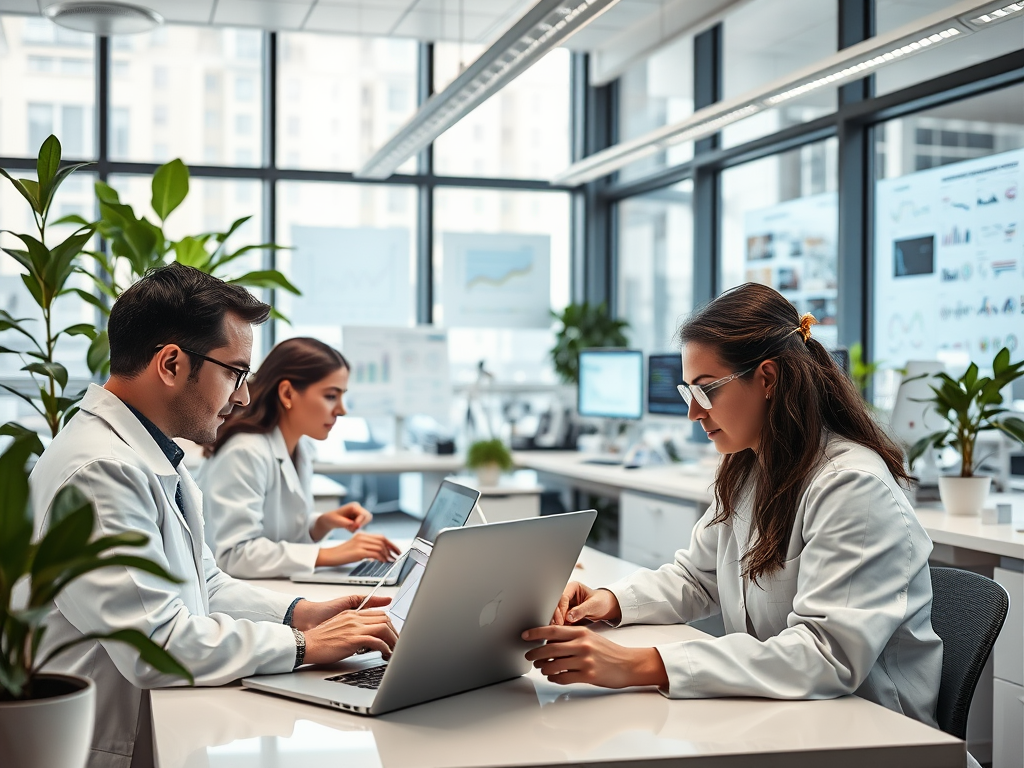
column 372, row 569
column 364, row 678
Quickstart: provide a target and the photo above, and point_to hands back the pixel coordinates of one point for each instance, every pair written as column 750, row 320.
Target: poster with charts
column 496, row 280
column 791, row 246
column 351, row 275
column 949, row 262
column 397, row 371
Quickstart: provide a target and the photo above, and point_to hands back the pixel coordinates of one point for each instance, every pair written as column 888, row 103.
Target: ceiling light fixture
column 104, row 18
column 545, row 26
column 846, row 65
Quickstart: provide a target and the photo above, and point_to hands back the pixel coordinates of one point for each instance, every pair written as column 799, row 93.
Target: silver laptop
column 459, row 615
column 450, row 508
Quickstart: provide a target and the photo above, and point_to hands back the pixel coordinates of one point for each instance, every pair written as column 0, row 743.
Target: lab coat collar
column 288, row 467
column 109, row 407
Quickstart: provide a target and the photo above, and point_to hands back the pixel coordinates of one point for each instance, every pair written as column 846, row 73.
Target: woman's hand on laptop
column 580, row 655
column 351, row 517
column 348, row 633
column 580, row 603
column 360, row 547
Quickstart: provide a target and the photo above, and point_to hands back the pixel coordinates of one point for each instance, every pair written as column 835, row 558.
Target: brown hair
column 302, row 361
column 747, row 325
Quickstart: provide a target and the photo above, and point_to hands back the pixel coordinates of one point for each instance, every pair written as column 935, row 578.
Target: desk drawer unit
column 652, row 528
column 1009, row 648
column 1007, row 735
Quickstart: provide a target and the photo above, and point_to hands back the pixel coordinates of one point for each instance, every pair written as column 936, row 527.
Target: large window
column 353, row 256
column 655, row 271
column 780, row 228
column 189, row 92
column 948, row 275
column 520, row 132
column 47, row 75
column 501, row 264
column 658, row 91
column 768, row 39
column 341, row 98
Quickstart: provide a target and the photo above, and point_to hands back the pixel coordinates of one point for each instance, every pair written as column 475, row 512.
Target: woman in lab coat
column 809, row 551
column 257, row 484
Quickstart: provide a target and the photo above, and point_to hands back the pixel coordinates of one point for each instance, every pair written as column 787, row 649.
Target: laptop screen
column 398, row 610
column 450, row 509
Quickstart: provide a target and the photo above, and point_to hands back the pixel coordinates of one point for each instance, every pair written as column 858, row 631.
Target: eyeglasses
column 240, row 373
column 699, row 392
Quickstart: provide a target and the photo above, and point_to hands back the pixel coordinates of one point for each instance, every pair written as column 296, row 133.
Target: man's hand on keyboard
column 309, row 614
column 361, row 546
column 348, row 633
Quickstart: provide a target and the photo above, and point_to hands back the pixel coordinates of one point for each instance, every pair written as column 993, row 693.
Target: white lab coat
column 259, row 506
column 220, row 628
column 849, row 613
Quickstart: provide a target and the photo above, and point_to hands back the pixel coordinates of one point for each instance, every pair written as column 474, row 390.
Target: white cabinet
column 1008, row 686
column 652, row 528
column 1007, row 734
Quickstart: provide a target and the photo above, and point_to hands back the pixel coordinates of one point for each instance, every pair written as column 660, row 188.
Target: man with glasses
column 180, row 348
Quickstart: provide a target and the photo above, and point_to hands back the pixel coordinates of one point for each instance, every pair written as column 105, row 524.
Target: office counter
column 531, row 722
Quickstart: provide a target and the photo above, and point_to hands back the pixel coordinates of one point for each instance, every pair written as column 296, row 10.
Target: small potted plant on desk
column 970, row 404
column 489, row 458
column 46, row 720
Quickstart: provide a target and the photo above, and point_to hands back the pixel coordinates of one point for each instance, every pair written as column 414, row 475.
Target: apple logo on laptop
column 490, row 611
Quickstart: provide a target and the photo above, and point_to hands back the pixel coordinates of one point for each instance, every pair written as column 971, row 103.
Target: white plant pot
column 964, row 495
column 52, row 731
column 488, row 476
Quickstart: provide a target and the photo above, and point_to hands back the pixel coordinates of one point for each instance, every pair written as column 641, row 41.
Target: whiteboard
column 397, row 371
column 948, row 272
column 350, row 275
column 496, row 280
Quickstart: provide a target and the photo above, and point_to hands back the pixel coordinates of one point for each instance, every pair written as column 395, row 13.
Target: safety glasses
column 699, row 392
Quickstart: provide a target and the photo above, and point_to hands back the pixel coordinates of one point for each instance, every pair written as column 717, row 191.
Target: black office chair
column 968, row 611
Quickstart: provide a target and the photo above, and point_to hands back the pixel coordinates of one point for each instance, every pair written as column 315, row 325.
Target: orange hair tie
column 806, row 321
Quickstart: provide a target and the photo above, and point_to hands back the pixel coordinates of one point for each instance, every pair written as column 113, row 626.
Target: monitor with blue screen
column 664, row 374
column 611, row 383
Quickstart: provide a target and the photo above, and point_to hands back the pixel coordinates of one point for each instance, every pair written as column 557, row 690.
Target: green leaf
column 98, row 356
column 191, row 251
column 24, row 397
column 1001, row 361
column 70, row 527
column 15, row 430
column 267, row 278
column 50, row 190
column 51, row 370
column 170, row 185
column 48, row 161
column 72, row 218
column 81, row 329
column 1011, row 426
column 106, row 193
column 20, row 256
column 219, row 263
column 149, row 652
column 27, row 188
column 33, row 286
column 15, row 513
column 53, row 579
column 92, row 299
column 918, row 449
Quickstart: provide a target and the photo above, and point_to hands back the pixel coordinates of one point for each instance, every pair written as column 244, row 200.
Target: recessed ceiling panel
column 372, row 22
column 266, row 14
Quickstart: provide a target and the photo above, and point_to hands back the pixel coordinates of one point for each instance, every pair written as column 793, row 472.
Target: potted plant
column 489, row 458
column 46, row 720
column 584, row 326
column 970, row 404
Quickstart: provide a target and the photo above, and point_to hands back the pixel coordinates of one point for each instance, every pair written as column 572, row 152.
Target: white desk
column 530, row 722
column 659, row 506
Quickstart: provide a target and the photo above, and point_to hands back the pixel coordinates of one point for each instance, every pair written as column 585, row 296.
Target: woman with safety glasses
column 257, row 485
column 810, row 550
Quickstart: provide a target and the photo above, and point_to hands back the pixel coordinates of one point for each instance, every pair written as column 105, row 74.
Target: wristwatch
column 300, row 647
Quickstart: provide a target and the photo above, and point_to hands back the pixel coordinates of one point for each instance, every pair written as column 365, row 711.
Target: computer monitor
column 611, row 383
column 664, row 374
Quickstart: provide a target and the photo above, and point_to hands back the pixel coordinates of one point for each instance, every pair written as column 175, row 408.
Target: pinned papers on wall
column 350, row 275
column 496, row 280
column 397, row 371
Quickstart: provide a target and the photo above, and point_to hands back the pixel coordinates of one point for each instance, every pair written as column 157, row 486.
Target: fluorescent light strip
column 547, row 24
column 851, row 63
column 998, row 14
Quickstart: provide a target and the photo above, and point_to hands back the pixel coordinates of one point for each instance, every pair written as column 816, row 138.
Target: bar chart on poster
column 948, row 272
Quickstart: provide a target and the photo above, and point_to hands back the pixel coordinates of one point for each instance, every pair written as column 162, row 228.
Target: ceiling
column 627, row 32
